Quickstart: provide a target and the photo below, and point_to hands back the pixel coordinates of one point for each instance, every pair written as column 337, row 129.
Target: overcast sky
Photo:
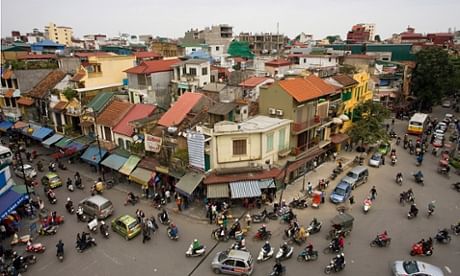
column 172, row 18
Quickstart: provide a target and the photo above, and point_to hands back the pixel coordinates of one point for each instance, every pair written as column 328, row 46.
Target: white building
column 314, row 61
column 191, row 75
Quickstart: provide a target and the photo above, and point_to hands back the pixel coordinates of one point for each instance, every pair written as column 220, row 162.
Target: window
column 128, row 145
column 193, row 71
column 239, row 147
column 121, row 143
column 217, row 48
column 240, row 264
column 269, row 142
column 204, row 71
column 184, row 70
column 282, row 135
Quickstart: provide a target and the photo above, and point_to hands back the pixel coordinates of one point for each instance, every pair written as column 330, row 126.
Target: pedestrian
column 145, row 234
column 138, row 216
column 351, row 200
column 224, row 221
column 168, row 196
column 373, row 193
column 145, row 191
column 383, row 159
column 334, row 155
column 392, row 122
column 179, row 203
column 213, row 212
column 315, row 164
column 141, row 215
column 248, row 219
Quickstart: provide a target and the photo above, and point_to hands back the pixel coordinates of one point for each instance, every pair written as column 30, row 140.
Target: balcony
column 304, row 149
column 301, row 127
column 13, row 112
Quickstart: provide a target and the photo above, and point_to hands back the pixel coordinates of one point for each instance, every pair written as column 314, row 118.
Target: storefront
column 113, row 163
column 339, row 140
column 189, row 183
column 217, row 191
column 42, row 133
column 52, row 140
column 141, row 176
column 129, row 165
column 94, row 155
column 9, row 201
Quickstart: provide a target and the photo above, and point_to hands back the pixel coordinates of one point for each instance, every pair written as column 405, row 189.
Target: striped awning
column 267, row 183
column 52, row 140
column 217, row 191
column 242, row 189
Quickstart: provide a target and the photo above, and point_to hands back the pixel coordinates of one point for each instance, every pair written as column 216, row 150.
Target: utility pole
column 21, row 163
column 286, row 166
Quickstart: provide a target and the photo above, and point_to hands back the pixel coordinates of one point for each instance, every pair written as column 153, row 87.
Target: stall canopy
column 52, row 140
column 63, row 142
column 188, row 183
column 114, row 161
column 30, row 129
column 75, row 146
column 5, row 125
column 242, row 189
column 217, row 191
column 9, row 201
column 267, row 183
column 141, row 176
column 92, row 155
column 19, row 125
column 41, row 133
column 130, row 164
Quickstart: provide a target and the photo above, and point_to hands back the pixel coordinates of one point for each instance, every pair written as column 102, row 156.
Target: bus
column 417, row 124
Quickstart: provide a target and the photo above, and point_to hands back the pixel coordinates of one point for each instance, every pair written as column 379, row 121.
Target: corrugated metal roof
column 188, row 183
column 267, row 183
column 242, row 189
column 141, row 176
column 98, row 102
column 217, row 191
column 130, row 164
column 176, row 114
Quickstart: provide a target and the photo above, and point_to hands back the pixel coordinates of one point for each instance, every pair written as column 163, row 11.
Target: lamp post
column 94, row 114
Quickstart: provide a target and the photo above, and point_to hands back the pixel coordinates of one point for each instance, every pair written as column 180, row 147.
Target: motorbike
column 18, row 265
column 443, row 237
column 58, row 220
column 298, row 204
column 70, row 187
column 259, row 236
column 48, row 230
column 60, row 256
column 79, row 184
column 305, row 256
column 378, row 241
column 333, row 176
column 455, row 229
column 331, row 248
column 171, row 237
column 218, row 236
column 398, row 141
column 314, row 228
column 282, row 211
column 92, row 225
column 263, row 256
column 40, row 166
column 197, row 253
column 89, row 242
column 417, row 250
column 412, row 215
column 443, row 170
column 52, row 167
column 62, row 166
column 104, row 229
column 238, row 246
column 51, row 197
column 283, row 255
column 30, row 259
column 70, row 208
column 163, row 221
column 331, row 267
column 23, row 239
column 133, row 200
column 418, row 179
column 259, row 218
column 287, row 218
column 35, row 248
column 82, row 217
column 367, row 205
column 337, row 170
column 456, row 186
column 275, row 272
column 399, row 180
column 393, row 161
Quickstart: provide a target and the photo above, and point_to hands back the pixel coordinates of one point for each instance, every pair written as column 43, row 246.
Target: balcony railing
column 12, row 110
column 300, row 127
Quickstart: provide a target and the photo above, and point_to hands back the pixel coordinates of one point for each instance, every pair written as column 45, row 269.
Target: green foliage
column 181, row 154
column 455, row 62
column 432, row 77
column 29, row 65
column 69, row 93
column 368, row 129
column 333, row 38
column 240, row 49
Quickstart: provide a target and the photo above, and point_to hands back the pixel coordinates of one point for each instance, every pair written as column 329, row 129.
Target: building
column 146, row 56
column 314, row 62
column 190, row 75
column 256, row 142
column 216, row 37
column 359, row 33
column 277, row 67
column 251, row 87
column 264, row 43
column 393, row 52
column 164, row 48
column 59, row 34
column 47, row 47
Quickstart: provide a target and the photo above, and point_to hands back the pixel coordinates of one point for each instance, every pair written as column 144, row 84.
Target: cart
column 342, row 224
column 316, row 199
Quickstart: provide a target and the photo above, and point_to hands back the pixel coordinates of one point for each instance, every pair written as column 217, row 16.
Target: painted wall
column 317, row 62
column 111, row 70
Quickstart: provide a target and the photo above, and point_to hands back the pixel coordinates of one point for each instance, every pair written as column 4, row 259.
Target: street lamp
column 94, row 114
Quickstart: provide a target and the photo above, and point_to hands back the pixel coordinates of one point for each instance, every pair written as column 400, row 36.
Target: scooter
column 171, row 237
column 35, row 248
column 314, row 228
column 23, row 239
column 417, row 250
column 90, row 242
column 412, row 215
column 163, row 221
column 104, row 231
column 218, row 236
column 48, row 230
column 259, row 218
column 282, row 255
column 70, row 187
column 367, row 205
column 265, row 256
column 332, row 268
column 92, row 225
column 197, row 253
column 443, row 238
column 60, row 256
column 304, row 256
column 82, row 217
column 70, row 208
column 378, row 241
column 51, row 197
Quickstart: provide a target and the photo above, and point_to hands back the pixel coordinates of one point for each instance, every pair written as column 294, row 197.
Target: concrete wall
column 274, row 96
column 112, row 70
column 69, row 65
column 317, row 62
column 117, row 136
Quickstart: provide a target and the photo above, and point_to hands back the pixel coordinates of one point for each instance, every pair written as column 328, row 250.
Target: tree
column 240, row 49
column 69, row 93
column 333, row 38
column 369, row 128
column 432, row 77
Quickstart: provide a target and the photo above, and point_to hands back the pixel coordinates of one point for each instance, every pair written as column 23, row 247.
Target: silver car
column 28, row 170
column 415, row 268
column 234, row 262
column 375, row 160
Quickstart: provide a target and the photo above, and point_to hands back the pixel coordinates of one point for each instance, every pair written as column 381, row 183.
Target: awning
column 75, row 146
column 30, row 129
column 217, row 191
column 243, row 189
column 19, row 124
column 21, row 189
column 339, row 138
column 93, row 156
column 141, row 176
column 188, row 183
column 52, row 140
column 84, row 140
column 63, row 142
column 5, row 125
column 41, row 133
column 130, row 164
column 114, row 161
column 9, row 201
column 267, row 183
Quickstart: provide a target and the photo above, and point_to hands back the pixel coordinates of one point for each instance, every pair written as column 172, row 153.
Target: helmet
column 173, row 225
column 68, row 199
column 343, row 255
column 236, row 220
column 338, row 256
column 267, row 242
column 195, row 240
column 263, row 225
column 285, row 243
column 102, row 222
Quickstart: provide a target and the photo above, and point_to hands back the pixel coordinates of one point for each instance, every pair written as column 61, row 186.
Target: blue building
column 47, row 47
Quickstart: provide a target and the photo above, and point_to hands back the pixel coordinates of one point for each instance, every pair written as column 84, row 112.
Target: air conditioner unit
column 279, row 112
column 272, row 111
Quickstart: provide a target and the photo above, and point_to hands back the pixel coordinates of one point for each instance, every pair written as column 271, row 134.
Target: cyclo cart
column 342, row 224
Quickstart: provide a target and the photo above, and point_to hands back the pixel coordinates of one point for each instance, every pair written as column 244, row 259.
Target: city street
column 161, row 256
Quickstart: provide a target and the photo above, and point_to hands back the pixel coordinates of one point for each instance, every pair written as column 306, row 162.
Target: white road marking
column 448, row 269
column 113, row 259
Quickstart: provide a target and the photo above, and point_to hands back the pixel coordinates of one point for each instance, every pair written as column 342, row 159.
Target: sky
column 173, row 18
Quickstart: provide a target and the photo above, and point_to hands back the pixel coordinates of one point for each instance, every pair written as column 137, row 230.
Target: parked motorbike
column 298, row 204
column 331, row 267
column 417, row 250
column 35, row 248
column 48, row 230
column 443, row 236
column 197, row 253
column 23, row 239
column 259, row 218
column 305, row 256
column 265, row 256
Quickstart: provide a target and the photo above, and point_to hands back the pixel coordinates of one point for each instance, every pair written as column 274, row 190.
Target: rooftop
column 278, row 62
column 177, row 113
column 195, row 61
column 153, row 66
column 259, row 123
column 137, row 112
column 113, row 113
column 304, row 89
column 214, row 87
column 99, row 101
column 345, row 80
column 146, row 55
column 253, row 81
column 222, row 108
column 50, row 81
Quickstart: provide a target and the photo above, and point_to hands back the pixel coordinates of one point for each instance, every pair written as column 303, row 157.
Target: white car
column 375, row 160
column 441, row 126
column 446, row 104
column 28, row 170
column 415, row 268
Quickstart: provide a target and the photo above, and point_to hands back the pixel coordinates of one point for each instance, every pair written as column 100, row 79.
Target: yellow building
column 59, row 34
column 102, row 71
column 360, row 93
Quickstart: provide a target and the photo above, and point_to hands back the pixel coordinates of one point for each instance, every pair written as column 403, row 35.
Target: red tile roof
column 44, row 56
column 345, row 80
column 78, row 76
column 216, row 179
column 153, row 66
column 113, row 113
column 278, row 63
column 60, row 106
column 25, row 101
column 50, row 81
column 138, row 111
column 176, row 114
column 253, row 81
column 304, row 89
column 146, row 55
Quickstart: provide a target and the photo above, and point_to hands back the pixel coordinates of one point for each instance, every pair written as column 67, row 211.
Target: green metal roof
column 98, row 102
column 399, row 52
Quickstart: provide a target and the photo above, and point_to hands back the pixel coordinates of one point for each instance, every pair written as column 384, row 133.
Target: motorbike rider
column 418, row 176
column 399, row 176
column 301, row 234
column 235, row 228
column 52, row 166
column 431, row 207
column 266, row 248
column 292, row 230
column 335, row 244
column 427, row 245
column 173, row 231
column 398, row 140
column 77, row 179
column 60, row 248
column 40, row 165
column 69, row 204
column 196, row 246
column 285, row 248
column 241, row 241
column 51, row 195
column 80, row 213
column 413, row 210
column 221, row 231
column 69, row 182
column 131, row 198
column 339, row 260
column 309, row 249
column 314, row 223
column 456, row 228
column 262, row 230
column 103, row 227
column 164, row 216
column 278, row 268
column 383, row 237
column 443, row 234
